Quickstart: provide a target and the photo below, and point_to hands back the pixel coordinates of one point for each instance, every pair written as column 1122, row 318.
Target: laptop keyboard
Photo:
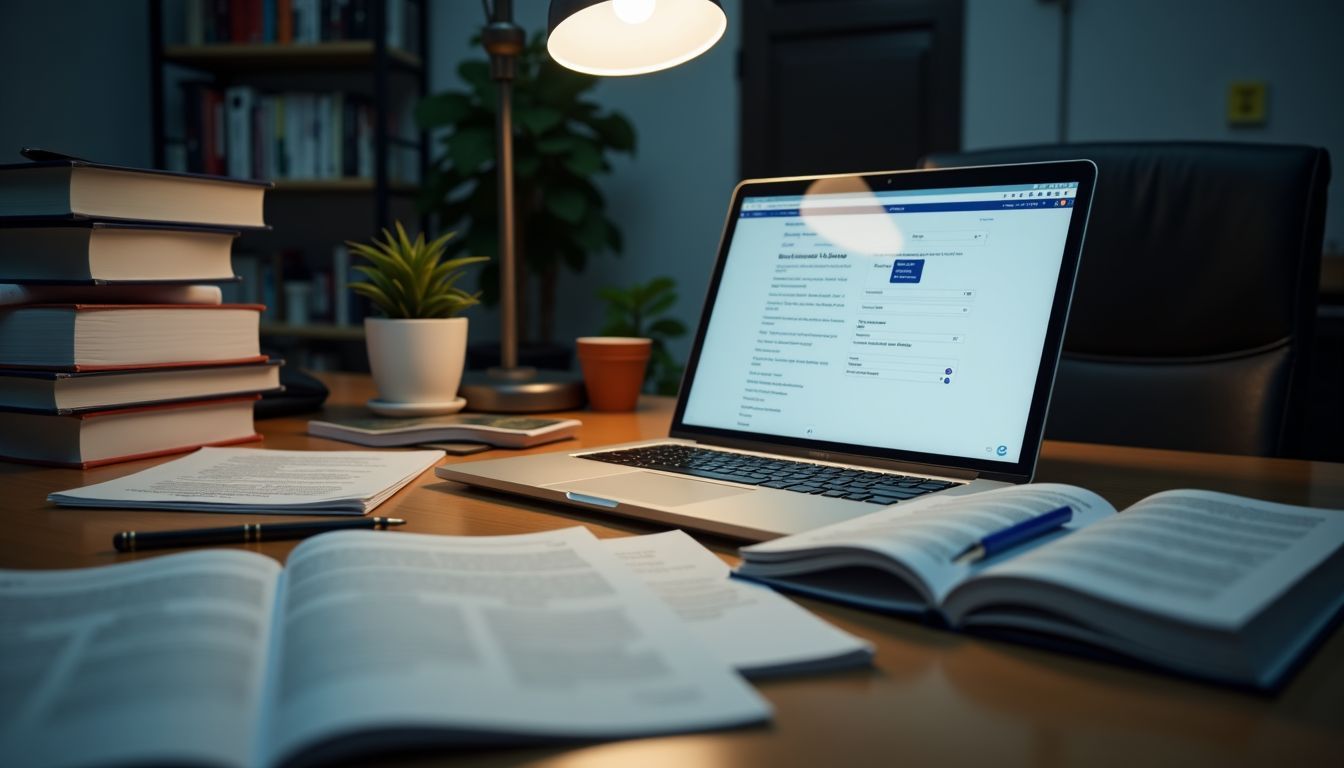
column 797, row 476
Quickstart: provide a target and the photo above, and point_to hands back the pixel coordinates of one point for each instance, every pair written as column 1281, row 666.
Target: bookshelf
column 259, row 73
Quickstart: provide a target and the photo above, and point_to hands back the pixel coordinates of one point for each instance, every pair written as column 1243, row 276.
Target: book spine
column 282, row 157
column 321, row 150
column 193, row 108
column 359, row 20
column 365, row 141
column 194, row 23
column 241, row 100
column 220, row 24
column 335, row 129
column 238, row 18
column 256, row 21
column 268, row 19
column 284, row 22
column 212, row 132
column 396, row 19
column 349, row 138
column 312, row 21
column 340, row 285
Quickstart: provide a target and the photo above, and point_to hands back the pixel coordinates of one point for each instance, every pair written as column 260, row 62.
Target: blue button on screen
column 907, row 270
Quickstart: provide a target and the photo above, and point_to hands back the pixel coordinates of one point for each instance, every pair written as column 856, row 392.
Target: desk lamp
column 597, row 37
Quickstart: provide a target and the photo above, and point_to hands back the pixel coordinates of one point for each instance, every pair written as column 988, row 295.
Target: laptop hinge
column 839, row 458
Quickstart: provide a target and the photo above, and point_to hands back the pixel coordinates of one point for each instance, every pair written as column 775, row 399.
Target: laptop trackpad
column 651, row 488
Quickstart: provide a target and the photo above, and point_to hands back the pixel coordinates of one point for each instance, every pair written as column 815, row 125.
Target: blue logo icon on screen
column 1002, row 450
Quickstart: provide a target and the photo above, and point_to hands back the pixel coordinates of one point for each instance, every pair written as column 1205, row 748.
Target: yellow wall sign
column 1248, row 103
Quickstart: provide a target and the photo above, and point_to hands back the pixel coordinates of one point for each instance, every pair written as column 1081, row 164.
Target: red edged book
column 94, row 438
column 100, row 337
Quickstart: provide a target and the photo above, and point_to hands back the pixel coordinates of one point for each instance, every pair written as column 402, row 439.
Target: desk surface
column 933, row 696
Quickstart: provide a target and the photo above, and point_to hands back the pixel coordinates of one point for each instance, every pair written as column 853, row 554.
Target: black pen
column 131, row 541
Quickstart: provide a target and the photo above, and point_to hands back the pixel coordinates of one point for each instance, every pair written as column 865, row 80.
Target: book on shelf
column 1210, row 585
column 92, row 438
column 62, row 392
column 494, row 429
column 450, row 641
column 60, row 251
column 86, row 337
column 291, row 135
column 76, row 189
column 294, row 21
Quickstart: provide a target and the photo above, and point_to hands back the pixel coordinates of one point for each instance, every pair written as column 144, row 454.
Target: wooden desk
column 933, row 697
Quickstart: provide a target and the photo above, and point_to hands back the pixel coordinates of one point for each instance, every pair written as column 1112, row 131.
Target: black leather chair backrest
column 1196, row 294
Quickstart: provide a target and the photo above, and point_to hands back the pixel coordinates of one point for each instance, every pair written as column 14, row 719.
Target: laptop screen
column 905, row 320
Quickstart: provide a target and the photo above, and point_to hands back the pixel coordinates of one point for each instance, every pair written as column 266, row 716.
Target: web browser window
column 908, row 320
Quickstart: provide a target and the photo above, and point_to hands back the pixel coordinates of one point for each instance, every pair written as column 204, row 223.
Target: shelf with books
column 314, row 331
column 259, row 57
column 356, row 185
column 316, row 96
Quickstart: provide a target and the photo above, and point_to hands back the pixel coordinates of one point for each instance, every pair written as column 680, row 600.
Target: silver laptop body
column 896, row 330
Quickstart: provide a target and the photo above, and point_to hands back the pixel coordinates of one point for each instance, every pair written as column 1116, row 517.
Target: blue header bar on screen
column 970, row 205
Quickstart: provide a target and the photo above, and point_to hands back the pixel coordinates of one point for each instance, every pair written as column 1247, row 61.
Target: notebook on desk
column 867, row 339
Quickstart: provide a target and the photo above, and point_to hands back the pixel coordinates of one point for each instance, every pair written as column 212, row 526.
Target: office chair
column 1195, row 303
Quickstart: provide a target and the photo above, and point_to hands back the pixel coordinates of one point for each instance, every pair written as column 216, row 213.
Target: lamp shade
column 631, row 37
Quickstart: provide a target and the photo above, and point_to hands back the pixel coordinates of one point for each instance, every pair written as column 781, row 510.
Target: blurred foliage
column 562, row 140
column 640, row 310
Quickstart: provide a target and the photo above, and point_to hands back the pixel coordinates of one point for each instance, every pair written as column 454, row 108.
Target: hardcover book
column 79, row 189
column 93, row 438
column 86, row 337
column 60, row 251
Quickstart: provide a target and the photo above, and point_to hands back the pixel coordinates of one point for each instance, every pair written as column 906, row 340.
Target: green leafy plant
column 640, row 310
column 562, row 140
column 410, row 279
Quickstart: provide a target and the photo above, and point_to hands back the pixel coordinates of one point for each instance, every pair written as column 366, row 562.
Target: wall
column 1157, row 69
column 76, row 79
column 670, row 199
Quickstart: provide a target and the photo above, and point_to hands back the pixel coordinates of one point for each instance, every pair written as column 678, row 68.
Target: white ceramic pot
column 416, row 361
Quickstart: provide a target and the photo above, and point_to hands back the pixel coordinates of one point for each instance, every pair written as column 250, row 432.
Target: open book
column 365, row 641
column 1207, row 584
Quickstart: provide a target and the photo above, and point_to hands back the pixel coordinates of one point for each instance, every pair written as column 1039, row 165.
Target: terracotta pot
column 416, row 361
column 613, row 370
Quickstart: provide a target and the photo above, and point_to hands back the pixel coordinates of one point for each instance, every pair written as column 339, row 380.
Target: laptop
column 867, row 340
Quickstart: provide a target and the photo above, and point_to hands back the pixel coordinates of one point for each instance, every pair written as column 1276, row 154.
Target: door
column 831, row 86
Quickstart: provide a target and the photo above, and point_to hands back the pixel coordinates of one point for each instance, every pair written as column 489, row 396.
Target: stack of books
column 113, row 344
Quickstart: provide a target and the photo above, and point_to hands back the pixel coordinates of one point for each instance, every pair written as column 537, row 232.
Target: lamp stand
column 510, row 388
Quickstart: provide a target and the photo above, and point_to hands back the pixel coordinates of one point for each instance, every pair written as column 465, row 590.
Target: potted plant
column 562, row 141
column 640, row 311
column 417, row 349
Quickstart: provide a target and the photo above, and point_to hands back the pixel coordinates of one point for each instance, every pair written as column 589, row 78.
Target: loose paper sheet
column 258, row 480
column 748, row 625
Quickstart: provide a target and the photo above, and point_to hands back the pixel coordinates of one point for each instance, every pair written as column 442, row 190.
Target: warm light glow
column 633, row 11
column 873, row 235
column 596, row 41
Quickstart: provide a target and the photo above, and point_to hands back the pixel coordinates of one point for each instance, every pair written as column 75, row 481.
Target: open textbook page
column 479, row 640
column 152, row 662
column 1210, row 583
column 749, row 626
column 915, row 543
column 259, row 480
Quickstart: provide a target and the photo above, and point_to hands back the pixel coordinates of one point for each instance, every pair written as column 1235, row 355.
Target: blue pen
column 1013, row 535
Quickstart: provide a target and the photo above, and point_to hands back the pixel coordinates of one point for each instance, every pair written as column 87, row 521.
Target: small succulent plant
column 409, row 279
